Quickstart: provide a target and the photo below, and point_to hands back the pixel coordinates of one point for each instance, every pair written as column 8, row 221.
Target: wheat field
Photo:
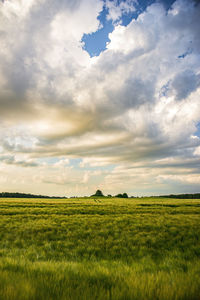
column 106, row 248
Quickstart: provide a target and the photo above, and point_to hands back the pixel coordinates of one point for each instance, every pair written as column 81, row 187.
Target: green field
column 100, row 249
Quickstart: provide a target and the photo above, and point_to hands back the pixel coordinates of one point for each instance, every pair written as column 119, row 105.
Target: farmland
column 108, row 248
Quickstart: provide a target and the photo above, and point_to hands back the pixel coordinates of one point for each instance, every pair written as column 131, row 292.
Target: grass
column 100, row 249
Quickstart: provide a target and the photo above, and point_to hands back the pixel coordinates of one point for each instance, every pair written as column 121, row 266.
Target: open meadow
column 109, row 248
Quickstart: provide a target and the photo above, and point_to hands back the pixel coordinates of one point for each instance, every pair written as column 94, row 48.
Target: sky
column 99, row 95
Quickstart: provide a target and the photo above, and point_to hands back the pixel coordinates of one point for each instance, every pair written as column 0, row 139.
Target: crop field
column 109, row 248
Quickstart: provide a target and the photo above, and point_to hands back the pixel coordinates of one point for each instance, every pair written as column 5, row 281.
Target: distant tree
column 124, row 195
column 98, row 193
column 119, row 196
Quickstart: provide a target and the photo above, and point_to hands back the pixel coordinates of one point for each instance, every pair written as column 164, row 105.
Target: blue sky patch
column 197, row 133
column 95, row 42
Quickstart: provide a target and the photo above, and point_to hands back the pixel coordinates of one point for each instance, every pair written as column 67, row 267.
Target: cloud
column 31, row 65
column 185, row 83
column 117, row 9
column 136, row 103
column 10, row 160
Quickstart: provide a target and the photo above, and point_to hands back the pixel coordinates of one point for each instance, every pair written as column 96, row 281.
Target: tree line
column 23, row 195
column 182, row 196
column 97, row 194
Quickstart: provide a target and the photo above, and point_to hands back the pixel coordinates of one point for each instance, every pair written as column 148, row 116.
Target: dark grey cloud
column 185, row 83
